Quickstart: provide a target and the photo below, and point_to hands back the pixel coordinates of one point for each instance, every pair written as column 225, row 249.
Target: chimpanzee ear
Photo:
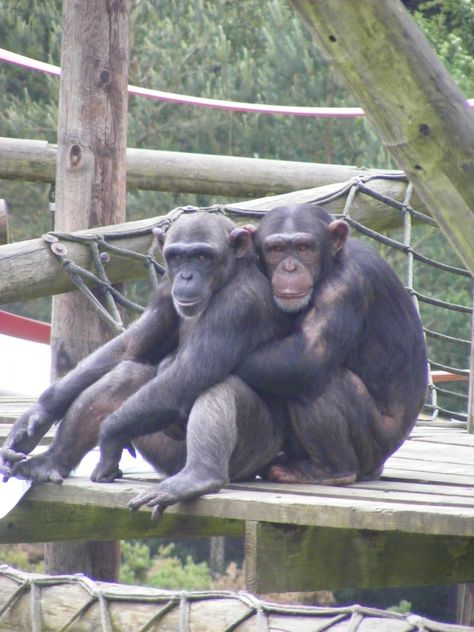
column 240, row 240
column 339, row 231
column 159, row 235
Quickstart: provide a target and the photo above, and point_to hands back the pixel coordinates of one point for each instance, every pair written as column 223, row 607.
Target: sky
column 24, row 366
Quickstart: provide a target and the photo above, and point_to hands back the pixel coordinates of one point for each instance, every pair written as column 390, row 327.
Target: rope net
column 86, row 605
column 446, row 315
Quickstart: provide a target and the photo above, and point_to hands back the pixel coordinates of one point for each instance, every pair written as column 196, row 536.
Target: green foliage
column 18, row 556
column 449, row 25
column 170, row 572
column 163, row 570
column 404, row 607
column 135, row 562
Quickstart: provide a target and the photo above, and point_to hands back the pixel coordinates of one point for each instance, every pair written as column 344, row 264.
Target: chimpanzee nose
column 186, row 275
column 289, row 265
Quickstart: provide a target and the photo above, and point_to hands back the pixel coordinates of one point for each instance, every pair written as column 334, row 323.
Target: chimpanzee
column 213, row 307
column 354, row 370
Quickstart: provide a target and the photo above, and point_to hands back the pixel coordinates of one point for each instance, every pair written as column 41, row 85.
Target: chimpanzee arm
column 302, row 362
column 149, row 339
column 208, row 356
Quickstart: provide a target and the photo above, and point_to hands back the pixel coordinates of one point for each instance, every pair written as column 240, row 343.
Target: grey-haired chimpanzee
column 354, row 370
column 213, row 307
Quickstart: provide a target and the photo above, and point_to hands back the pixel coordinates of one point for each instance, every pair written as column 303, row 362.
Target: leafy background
column 244, row 51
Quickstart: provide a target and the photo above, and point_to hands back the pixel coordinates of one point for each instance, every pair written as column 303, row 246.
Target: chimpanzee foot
column 106, row 472
column 307, row 473
column 173, row 490
column 41, row 468
column 107, row 469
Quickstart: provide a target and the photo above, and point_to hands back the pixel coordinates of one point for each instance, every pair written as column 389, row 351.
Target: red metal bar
column 26, row 328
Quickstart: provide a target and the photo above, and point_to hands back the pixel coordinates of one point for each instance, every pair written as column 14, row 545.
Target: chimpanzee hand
column 41, row 468
column 25, row 435
column 8, row 459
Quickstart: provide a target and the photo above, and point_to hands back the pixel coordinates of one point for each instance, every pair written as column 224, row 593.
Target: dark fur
column 120, row 389
column 354, row 370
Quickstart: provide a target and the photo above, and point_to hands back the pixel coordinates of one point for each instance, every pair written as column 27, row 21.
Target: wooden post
column 90, row 191
column 421, row 116
column 3, row 222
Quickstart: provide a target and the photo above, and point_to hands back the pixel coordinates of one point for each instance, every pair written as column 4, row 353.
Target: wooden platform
column 414, row 526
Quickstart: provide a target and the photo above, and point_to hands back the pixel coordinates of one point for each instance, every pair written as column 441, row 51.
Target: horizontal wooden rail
column 28, row 269
column 228, row 176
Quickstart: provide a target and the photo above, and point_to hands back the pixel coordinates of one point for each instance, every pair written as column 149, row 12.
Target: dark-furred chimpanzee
column 213, row 308
column 354, row 370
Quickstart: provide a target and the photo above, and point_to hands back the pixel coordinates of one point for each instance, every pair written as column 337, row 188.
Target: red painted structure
column 26, row 328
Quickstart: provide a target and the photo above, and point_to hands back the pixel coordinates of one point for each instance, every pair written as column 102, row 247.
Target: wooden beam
column 33, row 521
column 420, row 114
column 281, row 558
column 28, row 269
column 228, row 176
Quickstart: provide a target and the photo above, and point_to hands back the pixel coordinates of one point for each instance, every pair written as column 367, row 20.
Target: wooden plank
column 411, row 100
column 425, row 466
column 6, row 427
column 403, row 473
column 281, row 558
column 298, row 509
column 380, row 493
column 445, row 439
column 461, row 455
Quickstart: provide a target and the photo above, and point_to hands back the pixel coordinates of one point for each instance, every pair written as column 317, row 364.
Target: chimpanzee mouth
column 292, row 303
column 290, row 296
column 185, row 304
column 188, row 309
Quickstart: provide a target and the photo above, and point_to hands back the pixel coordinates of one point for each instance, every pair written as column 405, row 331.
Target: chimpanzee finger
column 157, row 512
column 140, row 500
column 7, row 454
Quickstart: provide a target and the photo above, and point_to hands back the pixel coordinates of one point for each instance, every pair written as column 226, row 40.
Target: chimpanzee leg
column 165, row 454
column 342, row 431
column 231, row 434
column 77, row 433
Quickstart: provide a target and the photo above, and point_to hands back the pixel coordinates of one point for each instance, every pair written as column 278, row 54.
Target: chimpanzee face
column 200, row 256
column 292, row 263
column 191, row 267
column 298, row 244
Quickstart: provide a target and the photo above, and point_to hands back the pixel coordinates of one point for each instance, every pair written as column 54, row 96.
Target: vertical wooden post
column 90, row 191
column 3, row 222
column 217, row 555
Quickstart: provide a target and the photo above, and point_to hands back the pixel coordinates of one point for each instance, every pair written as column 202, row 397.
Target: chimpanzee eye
column 173, row 258
column 302, row 248
column 276, row 248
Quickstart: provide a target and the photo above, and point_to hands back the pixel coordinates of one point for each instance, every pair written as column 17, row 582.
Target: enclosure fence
column 448, row 351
